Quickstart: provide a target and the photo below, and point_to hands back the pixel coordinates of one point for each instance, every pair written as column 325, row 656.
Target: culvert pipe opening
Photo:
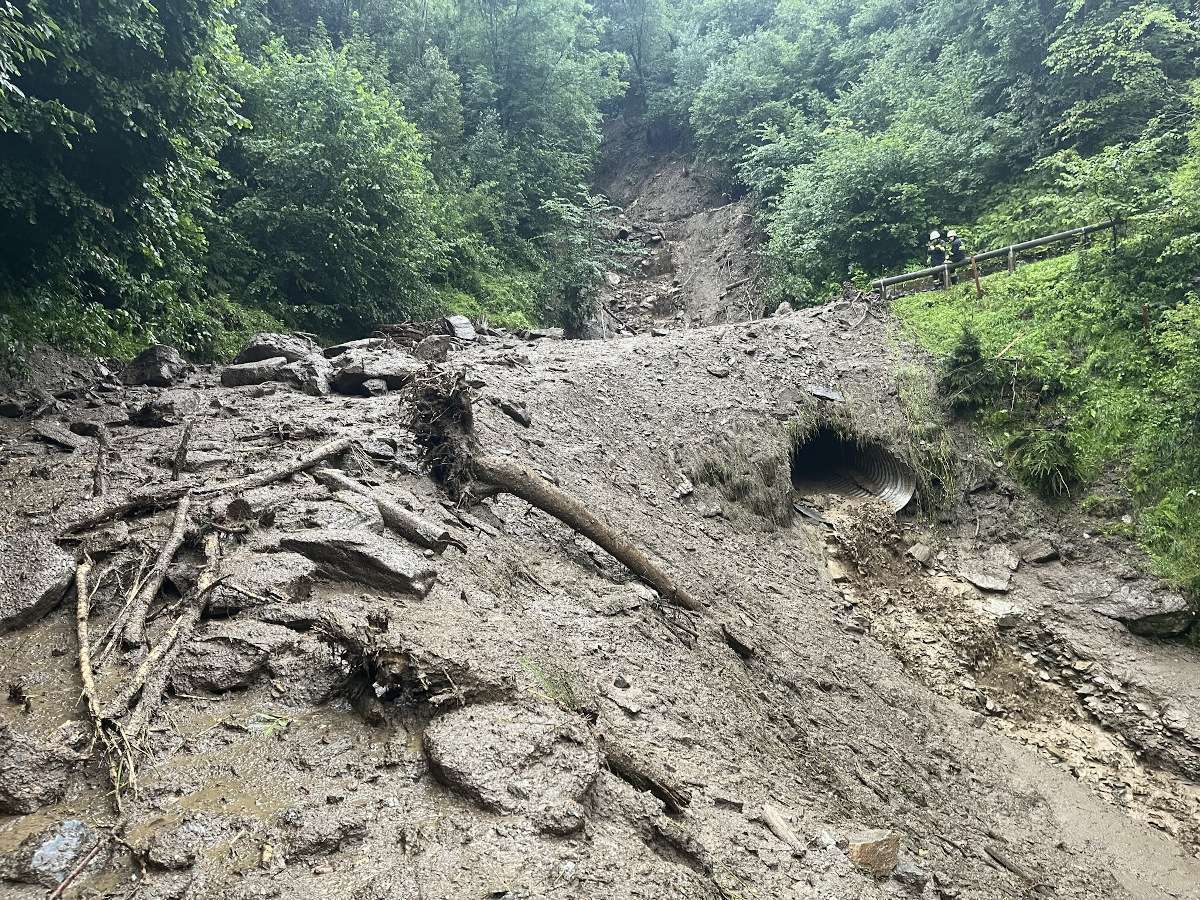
column 828, row 462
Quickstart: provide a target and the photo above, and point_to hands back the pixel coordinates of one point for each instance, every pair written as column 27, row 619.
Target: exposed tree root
column 444, row 426
column 135, row 626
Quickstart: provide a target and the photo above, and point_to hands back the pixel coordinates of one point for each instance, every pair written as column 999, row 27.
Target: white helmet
column 934, row 235
column 952, row 234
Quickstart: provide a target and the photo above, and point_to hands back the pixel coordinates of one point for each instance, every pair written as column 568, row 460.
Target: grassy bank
column 1090, row 395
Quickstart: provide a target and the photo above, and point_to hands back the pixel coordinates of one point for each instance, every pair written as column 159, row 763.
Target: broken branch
column 136, row 624
column 179, row 464
column 407, row 524
column 147, row 498
column 320, row 454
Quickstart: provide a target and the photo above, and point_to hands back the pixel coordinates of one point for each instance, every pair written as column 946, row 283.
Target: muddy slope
column 526, row 703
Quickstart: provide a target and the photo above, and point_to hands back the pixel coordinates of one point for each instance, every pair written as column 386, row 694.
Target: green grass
column 1084, row 382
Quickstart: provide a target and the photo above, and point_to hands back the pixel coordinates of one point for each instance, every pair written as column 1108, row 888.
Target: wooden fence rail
column 944, row 270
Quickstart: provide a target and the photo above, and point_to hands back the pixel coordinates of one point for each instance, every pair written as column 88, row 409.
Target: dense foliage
column 187, row 170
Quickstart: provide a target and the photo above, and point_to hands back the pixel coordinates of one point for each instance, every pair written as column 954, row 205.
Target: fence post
column 1012, row 260
column 946, row 276
column 975, row 272
column 1114, row 236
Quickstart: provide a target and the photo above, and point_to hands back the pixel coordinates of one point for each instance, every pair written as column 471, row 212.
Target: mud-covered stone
column 255, row 372
column 319, row 831
column 180, row 846
column 229, row 654
column 32, row 774
column 876, row 850
column 433, row 348
column 461, row 328
column 269, row 345
column 57, row 435
column 374, row 387
column 48, row 856
column 156, row 366
column 354, row 368
column 1151, row 614
column 538, row 761
column 34, row 575
column 162, row 412
column 363, row 557
column 251, row 579
column 370, row 343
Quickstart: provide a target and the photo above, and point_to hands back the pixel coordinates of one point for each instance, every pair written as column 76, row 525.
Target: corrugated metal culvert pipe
column 828, row 462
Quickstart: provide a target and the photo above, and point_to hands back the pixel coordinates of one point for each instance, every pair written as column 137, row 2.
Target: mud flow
column 827, row 462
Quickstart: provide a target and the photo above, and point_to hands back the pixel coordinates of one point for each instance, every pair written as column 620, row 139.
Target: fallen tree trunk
column 135, row 626
column 407, row 524
column 100, row 473
column 443, row 423
column 250, row 482
column 523, row 482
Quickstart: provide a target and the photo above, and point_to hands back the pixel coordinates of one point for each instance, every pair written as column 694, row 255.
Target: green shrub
column 1044, row 460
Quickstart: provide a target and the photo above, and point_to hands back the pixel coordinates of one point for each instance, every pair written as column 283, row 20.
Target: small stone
column 622, row 682
column 718, row 371
column 985, row 581
column 922, row 553
column 48, row 856
column 375, row 387
column 877, row 851
column 1038, row 550
column 612, row 279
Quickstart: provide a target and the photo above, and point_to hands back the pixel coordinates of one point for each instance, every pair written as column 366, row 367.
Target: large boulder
column 535, row 761
column 156, row 366
column 254, row 372
column 34, row 575
column 1150, row 614
column 32, row 774
column 354, row 368
column 269, row 345
column 460, row 327
column 367, row 558
column 310, row 375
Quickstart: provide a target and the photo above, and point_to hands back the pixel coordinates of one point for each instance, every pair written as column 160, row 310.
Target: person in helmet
column 937, row 252
column 956, row 251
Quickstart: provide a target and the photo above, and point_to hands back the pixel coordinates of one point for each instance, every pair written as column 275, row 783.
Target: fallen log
column 158, row 497
column 645, row 776
column 444, row 426
column 179, row 463
column 100, row 473
column 135, row 625
column 407, row 524
column 300, row 464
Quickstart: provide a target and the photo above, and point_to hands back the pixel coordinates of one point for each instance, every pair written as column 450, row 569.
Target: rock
column 254, row 372
column 460, row 327
column 824, row 393
column 268, row 576
column 161, row 412
column 911, row 876
column 375, row 387
column 346, row 346
column 229, row 654
column 89, row 422
column 922, row 553
column 986, row 581
column 310, row 375
column 268, row 345
column 1007, row 615
column 515, row 410
column 783, row 309
column 1038, row 550
column 32, row 774
column 433, row 348
column 366, row 558
column 156, row 366
column 11, row 408
column 1160, row 614
column 356, row 367
column 50, row 855
column 539, row 762
column 58, row 435
column 612, row 279
column 34, row 575
column 877, row 851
